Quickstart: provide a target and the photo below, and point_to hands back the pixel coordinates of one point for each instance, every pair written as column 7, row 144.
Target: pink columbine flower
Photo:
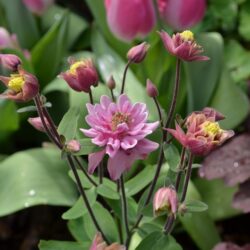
column 22, row 87
column 165, row 200
column 38, row 6
column 81, row 75
column 120, row 129
column 99, row 244
column 10, row 61
column 203, row 132
column 181, row 14
column 36, row 122
column 129, row 19
column 183, row 46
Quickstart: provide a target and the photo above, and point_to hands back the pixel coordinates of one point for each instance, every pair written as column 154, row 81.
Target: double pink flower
column 120, row 129
column 203, row 132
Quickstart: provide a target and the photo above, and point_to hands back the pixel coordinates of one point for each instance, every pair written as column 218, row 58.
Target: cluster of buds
column 203, row 132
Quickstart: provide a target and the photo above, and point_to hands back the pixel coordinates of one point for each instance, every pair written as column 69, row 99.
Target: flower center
column 211, row 128
column 117, row 119
column 74, row 67
column 16, row 82
column 187, row 35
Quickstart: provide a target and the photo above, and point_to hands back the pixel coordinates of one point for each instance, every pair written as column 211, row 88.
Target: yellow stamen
column 16, row 82
column 117, row 119
column 212, row 128
column 187, row 35
column 74, row 67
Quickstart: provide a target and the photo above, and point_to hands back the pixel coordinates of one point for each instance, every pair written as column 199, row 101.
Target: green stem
column 124, row 77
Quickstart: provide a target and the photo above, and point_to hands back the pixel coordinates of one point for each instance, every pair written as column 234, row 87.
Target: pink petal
column 94, row 160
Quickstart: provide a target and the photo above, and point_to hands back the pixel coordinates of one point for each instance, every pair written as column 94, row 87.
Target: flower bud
column 111, row 83
column 10, row 61
column 165, row 200
column 22, row 87
column 36, row 122
column 73, row 146
column 6, row 40
column 181, row 14
column 81, row 75
column 129, row 19
column 152, row 91
column 137, row 53
column 38, row 6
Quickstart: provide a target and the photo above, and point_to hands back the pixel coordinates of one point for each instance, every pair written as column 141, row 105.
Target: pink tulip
column 129, row 19
column 22, row 87
column 38, row 6
column 183, row 46
column 203, row 133
column 181, row 14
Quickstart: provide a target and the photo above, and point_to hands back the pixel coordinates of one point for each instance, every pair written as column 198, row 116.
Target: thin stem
column 169, row 223
column 187, row 179
column 180, row 169
column 159, row 111
column 100, row 172
column 124, row 206
column 85, row 199
column 84, row 171
column 91, row 97
column 112, row 95
column 174, row 98
column 124, row 76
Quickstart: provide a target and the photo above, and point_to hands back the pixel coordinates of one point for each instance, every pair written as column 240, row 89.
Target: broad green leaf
column 62, row 245
column 140, row 181
column 76, row 23
column 231, row 101
column 9, row 120
column 34, row 177
column 105, row 220
column 107, row 192
column 68, row 124
column 244, row 28
column 110, row 63
column 198, row 225
column 21, row 22
column 196, row 206
column 172, row 156
column 203, row 76
column 49, row 51
column 79, row 208
column 87, row 147
column 98, row 11
column 219, row 203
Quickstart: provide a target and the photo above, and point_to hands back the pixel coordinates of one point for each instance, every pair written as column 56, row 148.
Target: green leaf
column 196, row 206
column 62, row 245
column 79, row 208
column 231, row 101
column 107, row 192
column 140, row 181
column 87, row 147
column 9, row 120
column 244, row 19
column 34, row 177
column 21, row 22
column 198, row 225
column 68, row 124
column 203, row 76
column 159, row 241
column 106, row 223
column 49, row 51
column 172, row 156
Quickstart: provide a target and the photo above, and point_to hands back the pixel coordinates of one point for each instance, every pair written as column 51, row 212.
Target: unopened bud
column 36, row 122
column 137, row 53
column 151, row 89
column 182, row 209
column 111, row 83
column 73, row 146
column 165, row 200
column 10, row 61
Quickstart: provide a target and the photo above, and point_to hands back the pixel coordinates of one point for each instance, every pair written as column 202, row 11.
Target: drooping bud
column 81, row 75
column 111, row 83
column 137, row 53
column 165, row 200
column 73, row 146
column 10, row 61
column 152, row 91
column 38, row 6
column 22, row 87
column 36, row 122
